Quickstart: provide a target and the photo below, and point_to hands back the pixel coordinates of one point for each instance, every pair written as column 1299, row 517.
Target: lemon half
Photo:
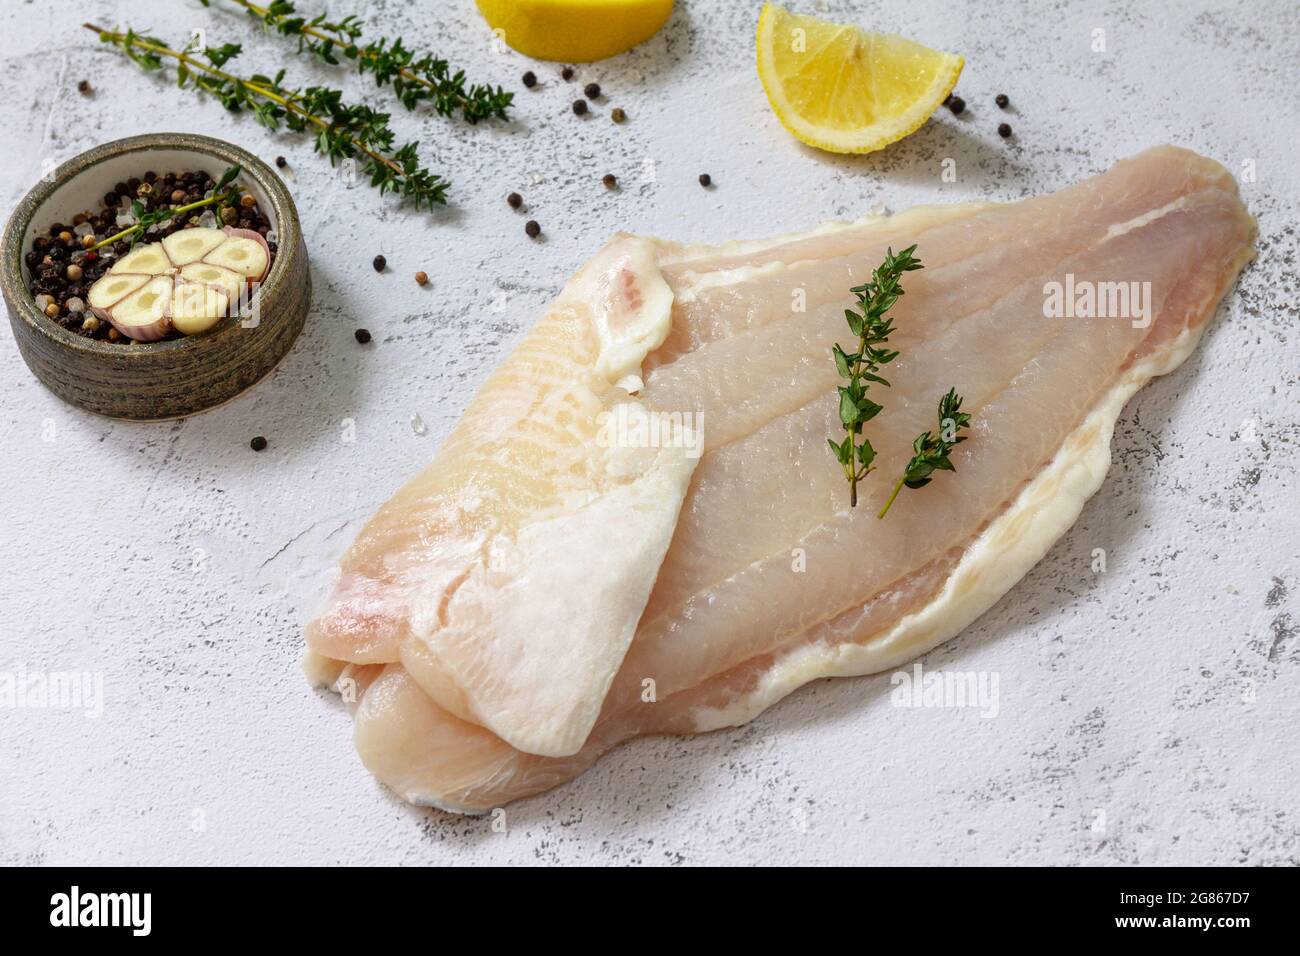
column 574, row 31
column 847, row 90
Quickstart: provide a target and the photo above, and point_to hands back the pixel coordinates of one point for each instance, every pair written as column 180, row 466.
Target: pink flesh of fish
column 467, row 706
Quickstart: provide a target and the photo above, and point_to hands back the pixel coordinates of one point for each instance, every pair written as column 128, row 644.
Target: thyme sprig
column 414, row 79
column 144, row 218
column 932, row 450
column 343, row 130
column 861, row 367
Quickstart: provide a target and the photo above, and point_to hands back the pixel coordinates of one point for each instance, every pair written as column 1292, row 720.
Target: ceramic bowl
column 174, row 377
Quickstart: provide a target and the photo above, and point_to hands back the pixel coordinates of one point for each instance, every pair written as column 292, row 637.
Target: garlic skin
column 186, row 283
column 144, row 315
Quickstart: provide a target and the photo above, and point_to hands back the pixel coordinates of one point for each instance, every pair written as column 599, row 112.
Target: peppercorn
column 88, row 240
column 111, row 199
column 567, row 73
column 258, row 444
column 591, row 90
column 114, row 335
column 609, row 180
column 52, row 310
column 532, row 228
column 144, row 190
column 1002, row 100
column 74, row 273
column 956, row 104
column 247, row 201
column 617, row 114
column 580, row 107
column 1004, row 130
column 530, row 79
column 362, row 335
column 150, row 176
column 281, row 162
column 65, row 236
column 422, row 278
column 90, row 324
column 178, row 196
column 84, row 88
column 515, row 200
column 379, row 263
column 706, row 180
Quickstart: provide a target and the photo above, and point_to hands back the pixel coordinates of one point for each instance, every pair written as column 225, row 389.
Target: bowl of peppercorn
column 155, row 276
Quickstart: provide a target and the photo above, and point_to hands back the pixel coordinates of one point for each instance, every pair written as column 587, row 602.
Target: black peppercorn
column 580, row 107
column 530, row 79
column 84, row 88
column 956, row 104
column 379, row 263
column 1004, row 130
column 258, row 444
column 362, row 335
column 706, row 180
column 281, row 162
column 532, row 228
column 591, row 90
column 1002, row 100
column 609, row 180
column 515, row 200
column 567, row 73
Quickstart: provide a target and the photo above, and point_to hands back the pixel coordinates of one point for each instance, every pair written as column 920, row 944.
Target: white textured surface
column 1161, row 693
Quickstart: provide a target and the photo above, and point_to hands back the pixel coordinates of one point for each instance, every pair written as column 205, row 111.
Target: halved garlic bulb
column 188, row 282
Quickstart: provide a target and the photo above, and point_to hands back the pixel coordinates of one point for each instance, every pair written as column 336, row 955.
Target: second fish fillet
column 637, row 526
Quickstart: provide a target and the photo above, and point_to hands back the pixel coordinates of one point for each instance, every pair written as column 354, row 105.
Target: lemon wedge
column 847, row 90
column 574, row 31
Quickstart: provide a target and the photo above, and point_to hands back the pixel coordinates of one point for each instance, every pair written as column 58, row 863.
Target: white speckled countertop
column 1147, row 713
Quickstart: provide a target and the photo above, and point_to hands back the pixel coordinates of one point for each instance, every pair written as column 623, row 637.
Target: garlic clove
column 244, row 251
column 146, row 259
column 113, row 288
column 230, row 283
column 142, row 315
column 196, row 307
column 190, row 245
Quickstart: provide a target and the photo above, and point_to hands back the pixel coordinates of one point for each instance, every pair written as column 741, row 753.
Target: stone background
column 1147, row 713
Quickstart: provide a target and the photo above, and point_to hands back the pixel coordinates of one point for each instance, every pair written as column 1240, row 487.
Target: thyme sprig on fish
column 932, row 450
column 415, row 79
column 152, row 217
column 861, row 367
column 343, row 130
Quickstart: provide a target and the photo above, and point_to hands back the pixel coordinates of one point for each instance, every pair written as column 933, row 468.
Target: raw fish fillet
column 542, row 592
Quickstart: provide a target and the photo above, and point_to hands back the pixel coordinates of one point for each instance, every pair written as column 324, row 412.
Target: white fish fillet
column 540, row 593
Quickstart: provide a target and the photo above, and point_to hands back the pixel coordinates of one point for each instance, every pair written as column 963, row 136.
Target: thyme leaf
column 932, row 450
column 146, row 218
column 343, row 130
column 861, row 367
column 414, row 79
